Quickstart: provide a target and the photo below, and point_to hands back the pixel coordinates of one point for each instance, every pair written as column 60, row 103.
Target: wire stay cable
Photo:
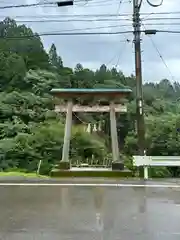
column 160, row 55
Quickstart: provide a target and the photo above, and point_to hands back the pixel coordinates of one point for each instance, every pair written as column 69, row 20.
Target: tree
column 22, row 41
column 54, row 59
column 12, row 71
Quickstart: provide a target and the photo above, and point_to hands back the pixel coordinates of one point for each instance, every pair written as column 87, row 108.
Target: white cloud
column 94, row 50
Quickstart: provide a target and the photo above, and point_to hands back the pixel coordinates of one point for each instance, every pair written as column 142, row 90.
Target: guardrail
column 145, row 161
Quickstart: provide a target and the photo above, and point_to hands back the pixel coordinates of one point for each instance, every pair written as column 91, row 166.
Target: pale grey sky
column 93, row 50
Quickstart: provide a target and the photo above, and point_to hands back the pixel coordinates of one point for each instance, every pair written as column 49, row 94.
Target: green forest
column 30, row 130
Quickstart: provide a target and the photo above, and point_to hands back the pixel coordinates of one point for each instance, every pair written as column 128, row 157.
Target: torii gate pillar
column 67, row 136
column 114, row 135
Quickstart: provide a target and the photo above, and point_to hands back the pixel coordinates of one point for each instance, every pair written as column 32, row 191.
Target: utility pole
column 138, row 69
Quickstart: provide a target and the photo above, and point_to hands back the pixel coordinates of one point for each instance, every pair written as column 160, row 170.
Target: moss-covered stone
column 64, row 165
column 91, row 174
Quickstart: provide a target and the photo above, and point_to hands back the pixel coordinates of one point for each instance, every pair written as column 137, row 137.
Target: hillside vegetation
column 31, row 131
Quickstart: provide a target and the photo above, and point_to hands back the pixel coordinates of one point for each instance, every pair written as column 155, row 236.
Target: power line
column 160, row 31
column 161, row 18
column 45, row 4
column 119, row 6
column 163, row 24
column 72, row 15
column 74, row 29
column 99, row 3
column 162, row 13
column 104, row 1
column 155, row 5
column 90, row 20
column 90, row 15
column 69, row 20
column 79, row 33
column 65, row 34
column 85, row 29
column 28, row 5
column 126, row 40
column 93, row 5
column 167, row 31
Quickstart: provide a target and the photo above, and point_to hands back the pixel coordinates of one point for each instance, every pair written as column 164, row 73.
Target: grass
column 21, row 174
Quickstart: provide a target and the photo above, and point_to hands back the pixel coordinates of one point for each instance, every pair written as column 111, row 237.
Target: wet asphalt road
column 89, row 213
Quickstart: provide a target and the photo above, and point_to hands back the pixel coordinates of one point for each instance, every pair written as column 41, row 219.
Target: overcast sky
column 113, row 50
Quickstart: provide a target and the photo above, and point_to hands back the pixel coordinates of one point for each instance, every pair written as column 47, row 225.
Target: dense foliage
column 31, row 131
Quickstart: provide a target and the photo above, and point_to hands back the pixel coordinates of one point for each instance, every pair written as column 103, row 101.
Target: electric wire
column 119, row 6
column 84, row 29
column 97, row 3
column 120, row 54
column 163, row 24
column 64, row 34
column 27, row 5
column 127, row 40
column 155, row 5
column 72, row 15
column 69, row 20
column 44, row 4
column 167, row 31
column 162, row 13
column 91, row 15
column 162, row 18
column 79, row 34
column 97, row 20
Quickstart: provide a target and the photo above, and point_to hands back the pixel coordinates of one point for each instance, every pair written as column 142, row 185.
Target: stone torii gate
column 109, row 94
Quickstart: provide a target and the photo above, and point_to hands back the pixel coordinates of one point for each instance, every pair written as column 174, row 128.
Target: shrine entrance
column 110, row 95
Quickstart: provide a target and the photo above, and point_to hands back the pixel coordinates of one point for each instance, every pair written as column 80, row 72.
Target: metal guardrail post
column 145, row 172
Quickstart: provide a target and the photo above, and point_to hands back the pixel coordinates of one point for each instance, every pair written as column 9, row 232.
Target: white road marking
column 93, row 185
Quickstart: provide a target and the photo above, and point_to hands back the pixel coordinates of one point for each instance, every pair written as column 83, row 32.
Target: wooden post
column 114, row 136
column 67, row 134
column 39, row 166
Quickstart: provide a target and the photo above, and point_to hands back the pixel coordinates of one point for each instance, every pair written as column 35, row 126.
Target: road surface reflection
column 89, row 213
